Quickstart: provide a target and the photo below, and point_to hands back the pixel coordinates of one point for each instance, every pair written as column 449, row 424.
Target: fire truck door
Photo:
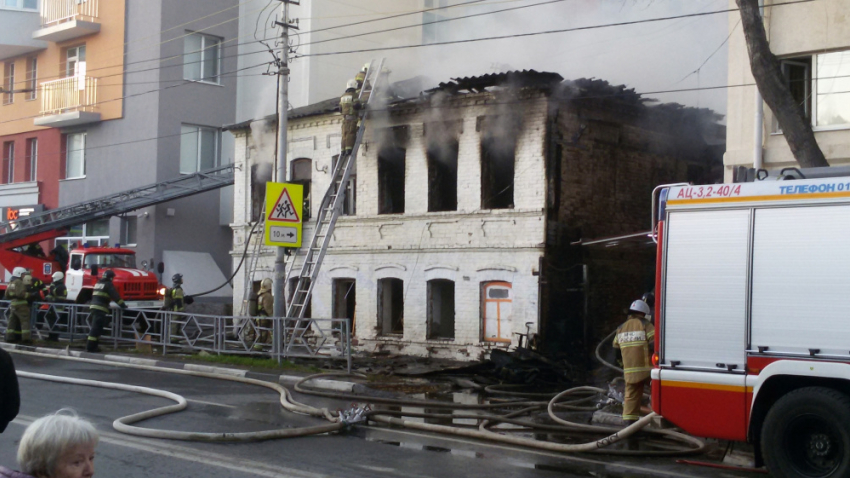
column 74, row 276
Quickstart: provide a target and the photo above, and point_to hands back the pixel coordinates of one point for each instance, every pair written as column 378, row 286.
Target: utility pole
column 282, row 124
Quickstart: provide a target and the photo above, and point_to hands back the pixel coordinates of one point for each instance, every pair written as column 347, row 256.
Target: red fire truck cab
column 753, row 319
column 139, row 288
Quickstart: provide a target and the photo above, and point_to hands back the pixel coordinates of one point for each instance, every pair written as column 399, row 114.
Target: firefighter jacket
column 265, row 304
column 177, row 299
column 633, row 338
column 360, row 77
column 16, row 291
column 349, row 103
column 57, row 292
column 104, row 292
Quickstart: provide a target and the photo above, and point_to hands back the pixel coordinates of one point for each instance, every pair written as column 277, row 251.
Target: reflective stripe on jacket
column 633, row 338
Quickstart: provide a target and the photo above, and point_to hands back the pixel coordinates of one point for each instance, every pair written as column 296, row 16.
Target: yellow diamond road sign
column 284, row 208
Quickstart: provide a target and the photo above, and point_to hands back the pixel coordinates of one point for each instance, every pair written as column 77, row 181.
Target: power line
column 545, row 32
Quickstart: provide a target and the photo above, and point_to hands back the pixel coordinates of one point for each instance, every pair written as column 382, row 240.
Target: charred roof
column 510, row 79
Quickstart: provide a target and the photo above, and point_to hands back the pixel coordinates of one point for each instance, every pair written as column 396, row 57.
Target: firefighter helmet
column 18, row 272
column 177, row 279
column 366, row 67
column 109, row 275
column 57, row 276
column 640, row 307
column 266, row 284
column 352, row 84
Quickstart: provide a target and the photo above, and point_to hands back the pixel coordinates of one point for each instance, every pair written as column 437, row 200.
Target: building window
column 302, row 173
column 198, row 149
column 391, row 180
column 75, row 61
column 21, row 4
column 8, row 173
column 441, row 309
column 32, row 78
column 202, row 58
column 497, row 173
column 344, row 301
column 129, row 224
column 31, row 160
column 821, row 85
column 260, row 174
column 349, row 205
column 75, row 155
column 496, row 304
column 8, row 82
column 391, row 306
column 442, row 175
column 95, row 233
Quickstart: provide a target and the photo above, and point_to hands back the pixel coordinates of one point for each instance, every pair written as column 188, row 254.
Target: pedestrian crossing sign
column 284, row 214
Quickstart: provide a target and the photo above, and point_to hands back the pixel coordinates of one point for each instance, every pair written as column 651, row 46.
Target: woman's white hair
column 47, row 438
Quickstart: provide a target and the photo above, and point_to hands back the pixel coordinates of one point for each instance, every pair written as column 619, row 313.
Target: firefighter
column 56, row 293
column 634, row 341
column 104, row 292
column 360, row 78
column 349, row 105
column 18, row 329
column 175, row 301
column 265, row 309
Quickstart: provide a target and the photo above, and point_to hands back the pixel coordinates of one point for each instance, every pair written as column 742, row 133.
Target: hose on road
column 581, row 396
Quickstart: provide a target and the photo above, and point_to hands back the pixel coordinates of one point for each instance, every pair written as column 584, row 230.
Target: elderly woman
column 60, row 445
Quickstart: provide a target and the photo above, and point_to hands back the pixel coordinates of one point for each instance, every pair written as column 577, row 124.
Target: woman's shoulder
column 7, row 473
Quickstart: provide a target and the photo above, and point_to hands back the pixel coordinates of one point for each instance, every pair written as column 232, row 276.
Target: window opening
column 496, row 306
column 260, row 175
column 498, row 151
column 129, row 225
column 75, row 155
column 202, row 58
column 442, row 154
column 302, row 173
column 32, row 78
column 345, row 301
column 391, row 306
column 349, row 205
column 199, row 148
column 441, row 309
column 31, row 160
column 75, row 61
column 8, row 82
column 391, row 166
column 8, row 163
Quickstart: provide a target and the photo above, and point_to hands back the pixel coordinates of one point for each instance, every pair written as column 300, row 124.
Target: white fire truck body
column 753, row 314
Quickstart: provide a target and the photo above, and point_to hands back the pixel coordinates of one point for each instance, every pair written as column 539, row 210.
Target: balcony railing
column 57, row 11
column 68, row 94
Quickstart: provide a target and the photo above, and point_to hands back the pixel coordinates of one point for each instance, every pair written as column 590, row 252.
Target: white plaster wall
column 468, row 246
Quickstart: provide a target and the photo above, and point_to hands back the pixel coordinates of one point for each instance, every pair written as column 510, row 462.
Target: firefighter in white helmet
column 634, row 339
column 18, row 329
column 56, row 293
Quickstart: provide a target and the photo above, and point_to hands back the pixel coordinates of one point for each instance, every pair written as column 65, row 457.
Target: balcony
column 16, row 26
column 63, row 20
column 68, row 102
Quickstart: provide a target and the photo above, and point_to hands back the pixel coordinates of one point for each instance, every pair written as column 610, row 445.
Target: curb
column 320, row 384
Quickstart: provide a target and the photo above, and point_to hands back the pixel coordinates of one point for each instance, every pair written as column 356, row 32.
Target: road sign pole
column 282, row 124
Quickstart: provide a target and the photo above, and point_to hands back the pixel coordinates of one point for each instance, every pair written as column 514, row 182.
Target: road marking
column 193, row 455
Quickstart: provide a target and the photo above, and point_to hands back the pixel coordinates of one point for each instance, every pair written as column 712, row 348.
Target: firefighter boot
column 92, row 345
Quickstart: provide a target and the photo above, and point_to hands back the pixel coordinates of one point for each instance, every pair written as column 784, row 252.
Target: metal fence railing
column 56, row 11
column 181, row 332
column 68, row 94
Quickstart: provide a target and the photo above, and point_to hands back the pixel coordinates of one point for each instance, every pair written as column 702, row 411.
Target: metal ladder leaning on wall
column 330, row 209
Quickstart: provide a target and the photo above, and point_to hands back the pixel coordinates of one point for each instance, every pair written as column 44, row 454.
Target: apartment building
column 463, row 219
column 812, row 41
column 103, row 96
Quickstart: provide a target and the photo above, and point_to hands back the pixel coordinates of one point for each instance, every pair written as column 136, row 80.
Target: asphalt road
column 216, row 405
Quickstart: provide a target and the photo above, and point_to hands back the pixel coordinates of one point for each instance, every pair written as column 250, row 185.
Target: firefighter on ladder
column 349, row 105
column 18, row 329
column 634, row 341
column 104, row 293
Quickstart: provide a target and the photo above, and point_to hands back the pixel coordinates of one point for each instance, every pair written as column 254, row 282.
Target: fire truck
column 753, row 319
column 139, row 288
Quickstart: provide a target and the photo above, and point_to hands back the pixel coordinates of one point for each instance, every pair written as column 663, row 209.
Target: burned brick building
column 464, row 217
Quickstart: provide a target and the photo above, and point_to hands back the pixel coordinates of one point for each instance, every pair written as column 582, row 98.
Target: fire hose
column 339, row 420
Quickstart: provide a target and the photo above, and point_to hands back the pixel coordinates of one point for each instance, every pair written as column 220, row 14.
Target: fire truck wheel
column 807, row 434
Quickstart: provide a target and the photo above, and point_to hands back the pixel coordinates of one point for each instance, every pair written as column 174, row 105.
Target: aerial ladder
column 114, row 204
column 331, row 207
